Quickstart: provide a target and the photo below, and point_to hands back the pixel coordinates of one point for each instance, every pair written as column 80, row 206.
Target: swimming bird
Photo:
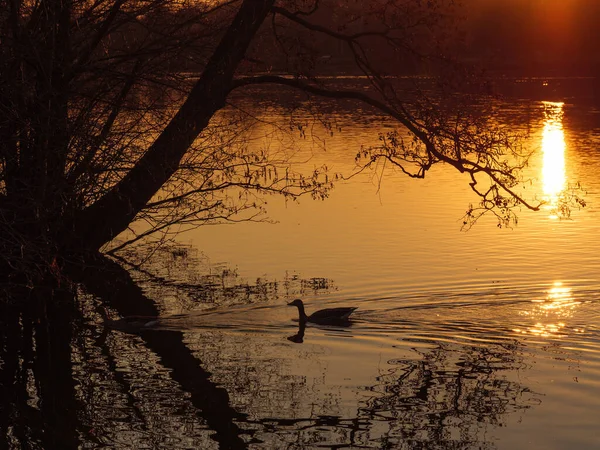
column 330, row 316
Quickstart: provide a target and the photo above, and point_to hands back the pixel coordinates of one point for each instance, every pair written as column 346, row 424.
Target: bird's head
column 296, row 302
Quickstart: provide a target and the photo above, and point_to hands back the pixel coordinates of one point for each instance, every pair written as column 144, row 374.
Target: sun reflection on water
column 551, row 313
column 553, row 149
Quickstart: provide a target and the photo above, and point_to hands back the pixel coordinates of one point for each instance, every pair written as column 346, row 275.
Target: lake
column 486, row 338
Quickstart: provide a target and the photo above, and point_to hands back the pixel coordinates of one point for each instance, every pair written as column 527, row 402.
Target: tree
column 102, row 122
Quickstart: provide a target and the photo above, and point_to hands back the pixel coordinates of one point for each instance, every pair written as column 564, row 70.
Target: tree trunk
column 111, row 215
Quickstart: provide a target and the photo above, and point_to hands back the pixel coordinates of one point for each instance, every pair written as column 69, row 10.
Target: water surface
column 480, row 339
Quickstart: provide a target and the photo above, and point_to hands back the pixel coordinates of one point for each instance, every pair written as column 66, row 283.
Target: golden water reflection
column 553, row 150
column 551, row 313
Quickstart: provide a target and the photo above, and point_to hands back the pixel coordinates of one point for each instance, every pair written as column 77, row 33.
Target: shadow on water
column 232, row 377
column 211, row 401
column 39, row 405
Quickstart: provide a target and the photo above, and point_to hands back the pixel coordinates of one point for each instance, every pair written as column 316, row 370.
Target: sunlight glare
column 553, row 148
column 550, row 313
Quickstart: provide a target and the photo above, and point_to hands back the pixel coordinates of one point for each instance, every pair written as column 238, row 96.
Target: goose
column 324, row 316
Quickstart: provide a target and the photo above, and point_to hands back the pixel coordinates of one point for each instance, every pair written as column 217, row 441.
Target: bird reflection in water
column 298, row 338
column 338, row 317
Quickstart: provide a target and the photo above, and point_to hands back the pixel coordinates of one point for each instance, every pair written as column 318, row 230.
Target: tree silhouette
column 110, row 111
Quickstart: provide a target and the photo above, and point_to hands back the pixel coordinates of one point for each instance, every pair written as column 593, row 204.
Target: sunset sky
column 562, row 34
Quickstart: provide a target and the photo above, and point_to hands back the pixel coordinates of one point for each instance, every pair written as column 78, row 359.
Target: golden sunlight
column 549, row 314
column 553, row 149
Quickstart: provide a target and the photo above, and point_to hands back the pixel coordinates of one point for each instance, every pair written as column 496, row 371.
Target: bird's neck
column 303, row 315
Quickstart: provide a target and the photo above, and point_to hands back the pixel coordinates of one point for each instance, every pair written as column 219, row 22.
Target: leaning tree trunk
column 111, row 214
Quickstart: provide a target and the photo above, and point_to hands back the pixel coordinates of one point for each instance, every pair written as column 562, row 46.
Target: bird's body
column 330, row 316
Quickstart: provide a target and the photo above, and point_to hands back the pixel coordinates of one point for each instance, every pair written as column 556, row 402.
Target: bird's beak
column 290, row 304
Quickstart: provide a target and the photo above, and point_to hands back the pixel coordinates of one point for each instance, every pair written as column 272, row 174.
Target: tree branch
column 461, row 164
column 115, row 210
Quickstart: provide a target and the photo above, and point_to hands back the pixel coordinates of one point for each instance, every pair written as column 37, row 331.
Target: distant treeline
column 537, row 37
column 515, row 37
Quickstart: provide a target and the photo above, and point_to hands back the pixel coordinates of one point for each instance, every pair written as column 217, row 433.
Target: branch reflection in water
column 451, row 396
column 432, row 396
column 424, row 391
